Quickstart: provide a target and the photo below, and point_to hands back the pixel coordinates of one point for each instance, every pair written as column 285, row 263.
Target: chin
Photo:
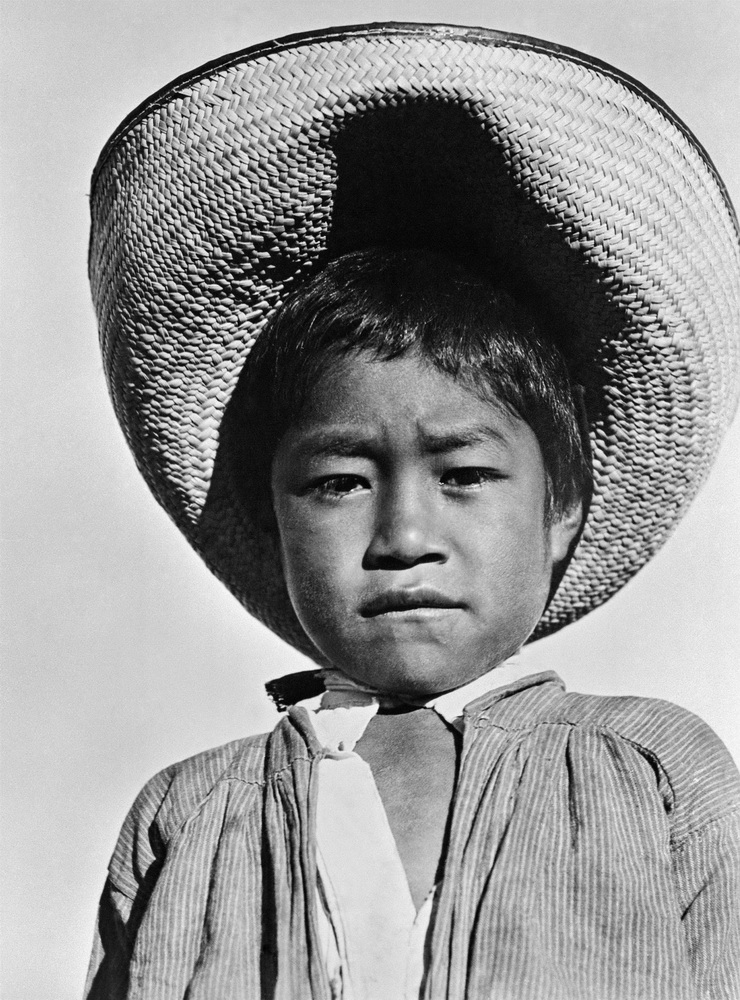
column 417, row 678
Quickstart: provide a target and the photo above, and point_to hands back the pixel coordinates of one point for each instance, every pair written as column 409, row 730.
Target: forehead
column 403, row 401
column 407, row 384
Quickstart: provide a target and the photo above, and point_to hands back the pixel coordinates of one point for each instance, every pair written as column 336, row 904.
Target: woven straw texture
column 237, row 181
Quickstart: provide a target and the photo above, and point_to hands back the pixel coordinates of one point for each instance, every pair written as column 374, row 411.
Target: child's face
column 412, row 529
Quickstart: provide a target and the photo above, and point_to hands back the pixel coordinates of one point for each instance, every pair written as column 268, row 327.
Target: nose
column 406, row 530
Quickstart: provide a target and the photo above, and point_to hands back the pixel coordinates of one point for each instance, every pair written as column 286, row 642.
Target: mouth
column 417, row 601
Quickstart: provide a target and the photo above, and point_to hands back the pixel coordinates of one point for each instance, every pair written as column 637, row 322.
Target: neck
column 341, row 688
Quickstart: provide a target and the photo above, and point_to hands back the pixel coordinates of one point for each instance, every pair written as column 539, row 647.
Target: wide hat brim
column 240, row 179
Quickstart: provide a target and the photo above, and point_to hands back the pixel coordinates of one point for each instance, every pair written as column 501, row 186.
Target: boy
column 401, row 479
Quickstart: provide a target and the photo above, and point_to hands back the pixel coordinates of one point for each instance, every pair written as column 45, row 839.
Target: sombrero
column 241, row 178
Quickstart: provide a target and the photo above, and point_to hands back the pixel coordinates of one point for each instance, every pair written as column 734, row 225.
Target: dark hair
column 387, row 303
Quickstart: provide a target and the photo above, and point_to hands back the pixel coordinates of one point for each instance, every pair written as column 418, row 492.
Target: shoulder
column 181, row 787
column 702, row 782
column 174, row 795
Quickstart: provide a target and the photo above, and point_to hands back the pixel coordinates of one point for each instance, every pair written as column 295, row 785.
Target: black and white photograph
column 370, row 507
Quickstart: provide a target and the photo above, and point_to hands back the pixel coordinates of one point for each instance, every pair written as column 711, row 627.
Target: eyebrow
column 351, row 443
column 344, row 443
column 464, row 437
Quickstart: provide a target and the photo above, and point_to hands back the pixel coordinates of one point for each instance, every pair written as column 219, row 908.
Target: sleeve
column 707, row 866
column 132, row 874
column 107, row 976
column 706, row 856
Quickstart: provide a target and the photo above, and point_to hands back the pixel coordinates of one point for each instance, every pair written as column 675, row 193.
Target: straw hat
column 239, row 179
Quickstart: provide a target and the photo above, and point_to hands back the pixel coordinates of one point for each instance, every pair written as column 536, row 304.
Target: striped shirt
column 593, row 852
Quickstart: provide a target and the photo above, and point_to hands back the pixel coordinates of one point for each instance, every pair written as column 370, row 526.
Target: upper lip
column 405, row 599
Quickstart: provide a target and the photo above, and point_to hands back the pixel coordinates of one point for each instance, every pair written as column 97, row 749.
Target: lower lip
column 417, row 614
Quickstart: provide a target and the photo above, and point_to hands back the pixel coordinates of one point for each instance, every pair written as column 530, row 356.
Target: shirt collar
column 451, row 704
column 345, row 709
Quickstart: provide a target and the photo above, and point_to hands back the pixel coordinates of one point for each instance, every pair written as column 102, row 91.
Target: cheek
column 514, row 559
column 317, row 564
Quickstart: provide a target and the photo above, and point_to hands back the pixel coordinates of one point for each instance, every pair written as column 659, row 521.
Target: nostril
column 394, row 562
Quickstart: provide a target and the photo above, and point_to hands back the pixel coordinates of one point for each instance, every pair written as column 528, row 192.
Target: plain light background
column 121, row 654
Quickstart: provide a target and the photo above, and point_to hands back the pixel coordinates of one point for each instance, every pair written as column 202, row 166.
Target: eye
column 340, row 485
column 469, row 476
